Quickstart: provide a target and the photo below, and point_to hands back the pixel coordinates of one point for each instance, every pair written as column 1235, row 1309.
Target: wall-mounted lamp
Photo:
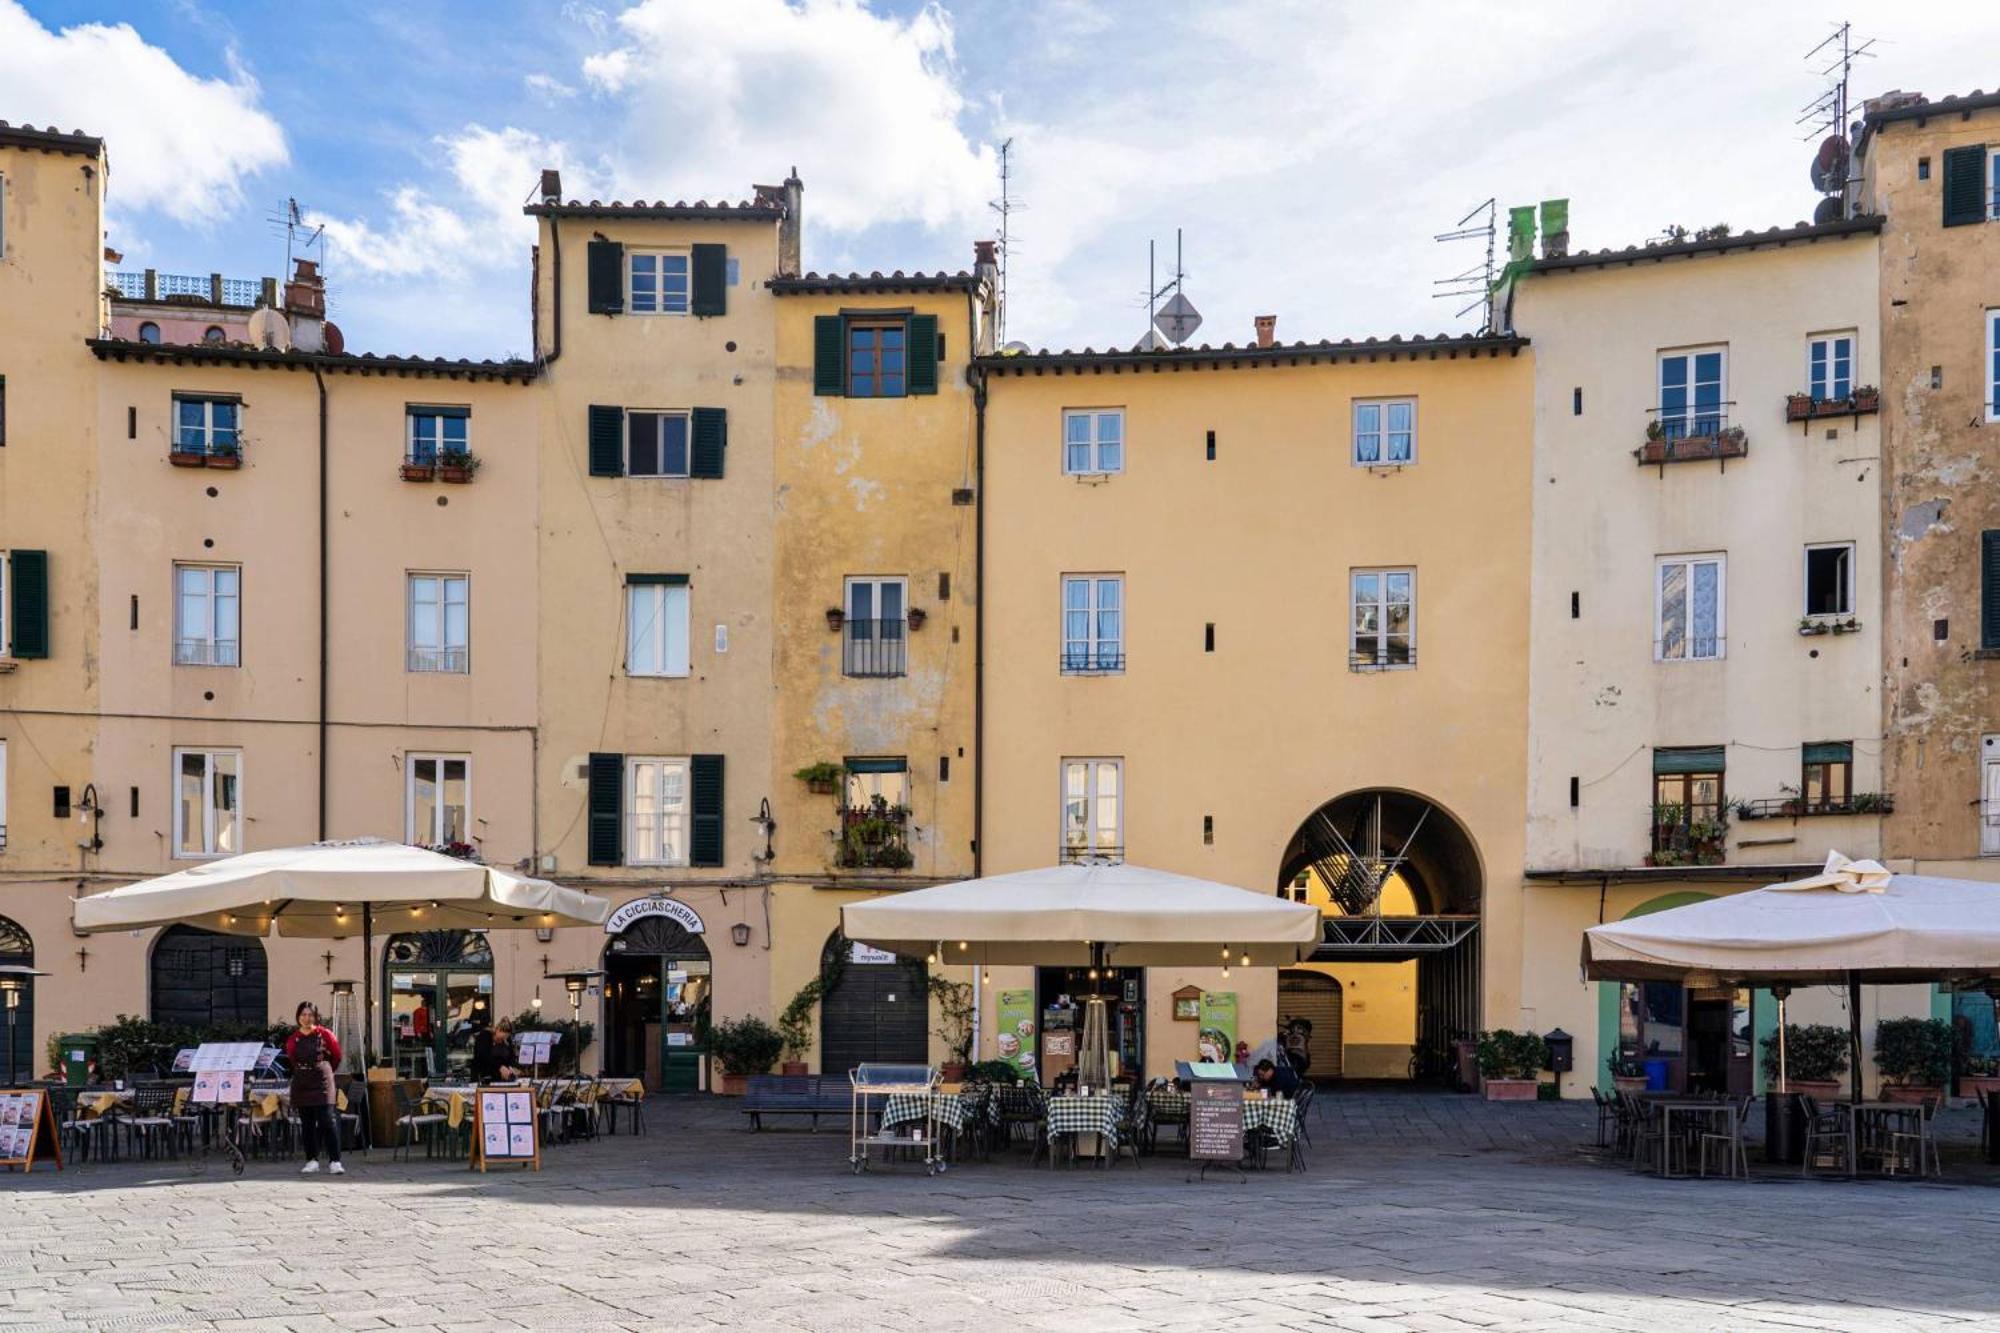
column 88, row 812
column 739, row 933
column 764, row 821
column 543, row 934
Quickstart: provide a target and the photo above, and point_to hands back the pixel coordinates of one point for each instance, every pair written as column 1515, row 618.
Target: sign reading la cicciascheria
column 671, row 908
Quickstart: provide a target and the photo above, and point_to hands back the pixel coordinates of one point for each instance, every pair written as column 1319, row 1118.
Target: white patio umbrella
column 1853, row 923
column 331, row 890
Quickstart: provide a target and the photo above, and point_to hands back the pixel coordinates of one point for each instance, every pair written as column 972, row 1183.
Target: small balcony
column 875, row 836
column 875, row 648
column 206, row 652
column 1796, row 807
column 1387, row 657
column 195, row 288
column 196, row 451
column 440, row 659
column 1077, row 853
column 1689, row 835
column 1805, row 409
column 456, row 468
column 1092, row 661
column 1691, row 435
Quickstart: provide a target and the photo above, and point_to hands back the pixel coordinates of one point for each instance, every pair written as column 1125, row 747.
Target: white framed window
column 208, row 803
column 207, row 608
column 1093, row 441
column 1993, row 365
column 871, row 779
column 1093, row 612
column 1382, row 621
column 1830, row 366
column 440, row 622
column 204, row 425
column 1385, row 432
column 656, row 625
column 876, row 638
column 1694, row 392
column 432, row 431
column 1093, row 809
column 1830, row 579
column 1689, row 608
column 656, row 444
column 656, row 282
column 656, row 794
column 437, row 799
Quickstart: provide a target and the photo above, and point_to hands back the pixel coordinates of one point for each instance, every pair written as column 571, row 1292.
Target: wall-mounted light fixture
column 88, row 812
column 740, row 933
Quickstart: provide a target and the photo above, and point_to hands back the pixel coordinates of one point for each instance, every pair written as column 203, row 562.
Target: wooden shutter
column 1989, row 589
column 705, row 786
column 28, row 619
column 606, row 268
column 710, row 293
column 829, row 356
column 607, row 809
column 607, row 441
column 710, row 430
column 1964, row 185
column 921, row 343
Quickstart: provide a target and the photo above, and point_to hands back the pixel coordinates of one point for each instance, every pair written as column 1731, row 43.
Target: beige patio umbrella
column 1854, row 922
column 331, row 890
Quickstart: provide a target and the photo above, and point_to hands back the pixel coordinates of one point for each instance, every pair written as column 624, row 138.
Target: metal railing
column 1691, row 435
column 1689, row 835
column 1795, row 807
column 1385, row 658
column 152, row 285
column 875, row 648
column 440, row 659
column 1078, row 853
column 206, row 652
column 1092, row 661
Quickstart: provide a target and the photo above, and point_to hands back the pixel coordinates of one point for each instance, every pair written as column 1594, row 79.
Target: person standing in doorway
column 314, row 1053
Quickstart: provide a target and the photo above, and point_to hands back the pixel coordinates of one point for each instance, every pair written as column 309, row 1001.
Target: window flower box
column 225, row 458
column 1665, row 447
column 187, row 458
column 835, row 618
column 457, row 469
column 419, row 471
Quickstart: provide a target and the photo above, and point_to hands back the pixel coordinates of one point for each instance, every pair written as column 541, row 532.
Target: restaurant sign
column 672, row 908
column 1215, row 1121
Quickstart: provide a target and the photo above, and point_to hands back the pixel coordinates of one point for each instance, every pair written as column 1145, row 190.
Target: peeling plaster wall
column 1938, row 492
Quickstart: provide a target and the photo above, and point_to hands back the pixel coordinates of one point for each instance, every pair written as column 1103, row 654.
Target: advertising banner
column 1217, row 1037
column 1016, row 1040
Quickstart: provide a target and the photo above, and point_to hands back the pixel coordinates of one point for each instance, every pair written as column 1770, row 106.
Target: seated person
column 1276, row 1081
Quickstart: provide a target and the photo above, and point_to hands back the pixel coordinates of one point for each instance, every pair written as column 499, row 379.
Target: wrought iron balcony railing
column 875, row 648
column 1797, row 807
column 1387, row 657
column 1691, row 435
column 440, row 659
column 1092, row 661
column 1078, row 853
column 1689, row 835
column 206, row 652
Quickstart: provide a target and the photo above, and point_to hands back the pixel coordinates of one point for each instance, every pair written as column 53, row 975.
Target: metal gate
column 1309, row 1008
column 878, row 1012
column 201, row 978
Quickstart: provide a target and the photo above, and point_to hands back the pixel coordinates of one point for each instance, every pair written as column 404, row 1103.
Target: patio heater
column 344, row 1023
column 576, row 983
column 1093, row 1056
column 15, row 978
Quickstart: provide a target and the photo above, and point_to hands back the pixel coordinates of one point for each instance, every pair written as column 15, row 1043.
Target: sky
column 1308, row 151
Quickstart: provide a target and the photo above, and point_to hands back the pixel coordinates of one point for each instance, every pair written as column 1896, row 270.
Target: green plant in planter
column 1506, row 1054
column 1915, row 1051
column 1624, row 1066
column 1814, row 1053
column 795, row 1023
column 746, row 1045
column 823, row 776
column 993, row 1071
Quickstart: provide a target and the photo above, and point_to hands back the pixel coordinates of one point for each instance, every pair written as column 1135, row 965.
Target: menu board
column 28, row 1130
column 1215, row 1122
column 504, row 1127
column 535, row 1048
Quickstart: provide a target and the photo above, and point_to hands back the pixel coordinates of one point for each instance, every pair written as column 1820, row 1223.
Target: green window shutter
column 711, row 439
column 670, row 580
column 877, row 765
column 829, row 356
column 28, row 616
column 607, row 809
column 1701, row 759
column 705, row 786
column 3, row 410
column 605, row 266
column 710, row 292
column 1989, row 589
column 921, row 343
column 1965, row 185
column 1829, row 752
column 607, row 441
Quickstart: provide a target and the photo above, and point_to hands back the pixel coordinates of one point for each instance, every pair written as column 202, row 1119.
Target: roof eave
column 258, row 358
column 1777, row 237
column 1281, row 354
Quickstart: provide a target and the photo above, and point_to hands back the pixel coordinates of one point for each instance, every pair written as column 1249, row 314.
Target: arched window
column 202, row 978
column 440, row 989
column 18, row 950
column 212, row 334
column 149, row 332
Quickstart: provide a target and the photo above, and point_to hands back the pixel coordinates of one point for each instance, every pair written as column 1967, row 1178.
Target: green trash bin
column 79, row 1050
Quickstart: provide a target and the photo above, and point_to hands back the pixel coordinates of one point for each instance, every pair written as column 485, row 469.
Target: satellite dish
column 1829, row 165
column 268, row 328
column 1177, row 319
column 1828, row 210
column 1016, row 348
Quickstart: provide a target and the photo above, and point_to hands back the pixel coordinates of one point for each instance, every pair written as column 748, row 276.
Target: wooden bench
column 795, row 1094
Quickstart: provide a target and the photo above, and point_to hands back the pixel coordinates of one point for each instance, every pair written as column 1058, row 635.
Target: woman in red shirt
column 314, row 1053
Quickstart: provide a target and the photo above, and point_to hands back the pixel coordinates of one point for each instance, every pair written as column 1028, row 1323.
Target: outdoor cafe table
column 1099, row 1113
column 1666, row 1108
column 1878, row 1120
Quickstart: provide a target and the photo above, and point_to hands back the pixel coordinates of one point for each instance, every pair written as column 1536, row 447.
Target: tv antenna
column 1174, row 319
column 1827, row 115
column 1477, row 281
column 1005, row 206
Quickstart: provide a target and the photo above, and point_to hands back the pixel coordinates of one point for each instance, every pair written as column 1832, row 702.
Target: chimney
column 986, row 270
column 1555, row 228
column 305, row 307
column 791, row 231
column 551, row 185
column 1267, row 330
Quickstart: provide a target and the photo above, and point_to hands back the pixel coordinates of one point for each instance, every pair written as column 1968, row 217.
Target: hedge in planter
column 1511, row 1057
column 1814, row 1053
column 1915, row 1051
column 745, row 1046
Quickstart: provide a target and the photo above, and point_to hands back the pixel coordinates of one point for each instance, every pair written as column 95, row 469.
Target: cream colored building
column 1704, row 710
column 1260, row 614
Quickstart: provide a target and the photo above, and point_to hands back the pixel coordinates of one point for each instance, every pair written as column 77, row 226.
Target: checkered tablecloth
column 1279, row 1115
column 1087, row 1115
column 953, row 1110
column 1166, row 1105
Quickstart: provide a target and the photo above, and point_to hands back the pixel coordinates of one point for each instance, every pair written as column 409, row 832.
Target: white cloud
column 548, row 87
column 179, row 144
column 609, row 71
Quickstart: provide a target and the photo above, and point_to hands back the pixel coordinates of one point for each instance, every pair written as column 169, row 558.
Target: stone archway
column 656, row 997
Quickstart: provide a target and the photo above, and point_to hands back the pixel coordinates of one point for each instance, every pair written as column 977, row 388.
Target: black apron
column 312, row 1071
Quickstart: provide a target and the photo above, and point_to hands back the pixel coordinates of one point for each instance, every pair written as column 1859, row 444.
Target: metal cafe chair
column 1730, row 1144
column 1827, row 1134
column 1916, row 1151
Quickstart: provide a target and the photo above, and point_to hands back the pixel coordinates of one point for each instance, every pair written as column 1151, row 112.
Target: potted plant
column 1627, row 1074
column 1798, row 406
column 457, row 467
column 227, row 456
column 1794, row 802
column 1978, row 1075
column 795, row 1027
column 418, row 469
column 917, row 617
column 1867, row 398
column 744, row 1046
column 1815, row 1058
column 954, row 1029
column 180, row 457
column 1510, row 1064
column 835, row 618
column 1914, row 1056
column 1808, row 625
column 822, row 778
column 1001, row 1072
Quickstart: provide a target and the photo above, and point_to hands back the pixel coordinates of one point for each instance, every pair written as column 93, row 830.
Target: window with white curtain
column 207, row 607
column 1093, row 611
column 656, row 620
column 1093, row 808
column 437, row 799
column 1689, row 608
column 1093, row 441
column 656, row 795
column 440, row 622
column 208, row 803
column 1385, row 432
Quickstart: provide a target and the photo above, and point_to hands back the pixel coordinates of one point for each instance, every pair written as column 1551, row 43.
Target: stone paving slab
column 1430, row 1213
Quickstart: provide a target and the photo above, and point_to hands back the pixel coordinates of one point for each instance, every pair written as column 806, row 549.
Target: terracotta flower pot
column 731, row 1085
column 1911, row 1093
column 1975, row 1085
column 418, row 471
column 793, row 1068
column 457, row 476
column 180, row 458
column 1510, row 1089
column 1633, row 1083
column 227, row 462
column 1824, row 1088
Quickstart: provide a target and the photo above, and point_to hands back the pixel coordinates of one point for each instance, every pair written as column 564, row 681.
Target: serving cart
column 873, row 1085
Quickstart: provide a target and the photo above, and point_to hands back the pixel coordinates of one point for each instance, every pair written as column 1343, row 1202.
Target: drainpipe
column 978, row 620
column 555, row 255
column 320, row 380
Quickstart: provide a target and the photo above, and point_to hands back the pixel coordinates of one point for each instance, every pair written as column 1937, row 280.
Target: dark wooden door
column 878, row 1013
column 201, row 978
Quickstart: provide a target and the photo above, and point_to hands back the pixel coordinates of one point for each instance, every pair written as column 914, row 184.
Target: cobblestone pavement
column 1427, row 1213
